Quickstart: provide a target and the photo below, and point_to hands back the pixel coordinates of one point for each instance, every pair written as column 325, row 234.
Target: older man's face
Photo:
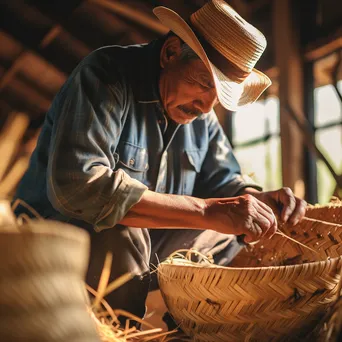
column 186, row 87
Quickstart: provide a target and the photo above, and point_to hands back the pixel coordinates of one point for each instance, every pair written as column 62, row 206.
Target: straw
column 106, row 319
column 279, row 232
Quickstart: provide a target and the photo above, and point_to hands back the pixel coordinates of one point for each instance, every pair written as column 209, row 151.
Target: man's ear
column 170, row 51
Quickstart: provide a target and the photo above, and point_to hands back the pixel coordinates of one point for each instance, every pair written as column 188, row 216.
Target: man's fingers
column 263, row 223
column 254, row 233
column 266, row 208
column 271, row 224
column 272, row 229
column 298, row 213
column 268, row 224
column 289, row 203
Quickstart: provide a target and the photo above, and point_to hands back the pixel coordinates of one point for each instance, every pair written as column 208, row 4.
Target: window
column 256, row 142
column 328, row 124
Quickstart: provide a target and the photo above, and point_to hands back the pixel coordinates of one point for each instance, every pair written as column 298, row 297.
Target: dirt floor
column 155, row 309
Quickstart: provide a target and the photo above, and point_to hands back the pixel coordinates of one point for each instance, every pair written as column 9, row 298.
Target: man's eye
column 205, row 85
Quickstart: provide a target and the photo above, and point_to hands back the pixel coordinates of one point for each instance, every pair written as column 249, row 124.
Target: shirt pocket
column 133, row 160
column 192, row 164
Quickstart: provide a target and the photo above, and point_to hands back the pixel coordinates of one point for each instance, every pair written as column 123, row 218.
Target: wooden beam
column 37, row 31
column 105, row 27
column 21, row 95
column 41, row 74
column 38, row 84
column 289, row 63
column 50, row 36
column 133, row 14
column 323, row 50
column 26, row 97
column 10, row 73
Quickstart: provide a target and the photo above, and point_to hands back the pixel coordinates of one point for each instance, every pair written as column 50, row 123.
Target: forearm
column 248, row 191
column 243, row 215
column 156, row 210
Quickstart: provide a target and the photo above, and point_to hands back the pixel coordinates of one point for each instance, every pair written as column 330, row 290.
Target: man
column 132, row 141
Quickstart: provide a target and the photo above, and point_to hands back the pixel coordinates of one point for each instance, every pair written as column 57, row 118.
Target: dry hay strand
column 273, row 303
column 107, row 320
column 331, row 212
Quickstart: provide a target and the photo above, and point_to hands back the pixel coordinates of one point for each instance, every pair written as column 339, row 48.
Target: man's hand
column 243, row 215
column 284, row 203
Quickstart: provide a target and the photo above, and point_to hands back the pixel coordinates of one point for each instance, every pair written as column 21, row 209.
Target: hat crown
column 227, row 32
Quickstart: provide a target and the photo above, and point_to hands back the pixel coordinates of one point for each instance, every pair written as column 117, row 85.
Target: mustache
column 191, row 111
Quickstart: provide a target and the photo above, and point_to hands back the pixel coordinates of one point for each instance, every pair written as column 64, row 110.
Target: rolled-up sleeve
column 220, row 174
column 81, row 179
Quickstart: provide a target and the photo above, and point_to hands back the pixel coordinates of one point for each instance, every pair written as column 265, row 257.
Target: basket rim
column 227, row 268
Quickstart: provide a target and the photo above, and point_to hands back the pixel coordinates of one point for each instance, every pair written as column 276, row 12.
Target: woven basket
column 42, row 293
column 323, row 239
column 273, row 303
column 331, row 212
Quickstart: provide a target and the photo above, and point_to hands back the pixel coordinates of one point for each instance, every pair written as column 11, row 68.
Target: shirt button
column 160, row 121
column 131, row 161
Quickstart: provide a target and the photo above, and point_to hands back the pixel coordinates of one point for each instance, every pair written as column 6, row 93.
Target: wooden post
column 289, row 63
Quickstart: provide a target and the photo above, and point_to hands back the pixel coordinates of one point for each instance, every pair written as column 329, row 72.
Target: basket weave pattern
column 212, row 302
column 323, row 237
column 330, row 213
column 250, row 302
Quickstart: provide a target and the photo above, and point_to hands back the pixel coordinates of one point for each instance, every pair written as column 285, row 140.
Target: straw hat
column 228, row 45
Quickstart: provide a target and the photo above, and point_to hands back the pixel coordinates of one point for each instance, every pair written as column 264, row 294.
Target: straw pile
column 107, row 319
column 276, row 291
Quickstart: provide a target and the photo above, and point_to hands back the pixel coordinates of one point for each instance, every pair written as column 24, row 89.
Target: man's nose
column 207, row 101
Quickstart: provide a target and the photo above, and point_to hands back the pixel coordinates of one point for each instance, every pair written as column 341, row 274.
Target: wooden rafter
column 50, row 36
column 10, row 73
column 132, row 14
column 320, row 51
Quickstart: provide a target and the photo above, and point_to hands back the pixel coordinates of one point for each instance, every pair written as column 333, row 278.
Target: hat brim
column 232, row 95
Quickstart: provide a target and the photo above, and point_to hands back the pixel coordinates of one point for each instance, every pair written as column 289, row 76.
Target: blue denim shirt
column 103, row 144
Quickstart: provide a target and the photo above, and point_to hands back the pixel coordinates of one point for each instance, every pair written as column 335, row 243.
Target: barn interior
column 291, row 137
